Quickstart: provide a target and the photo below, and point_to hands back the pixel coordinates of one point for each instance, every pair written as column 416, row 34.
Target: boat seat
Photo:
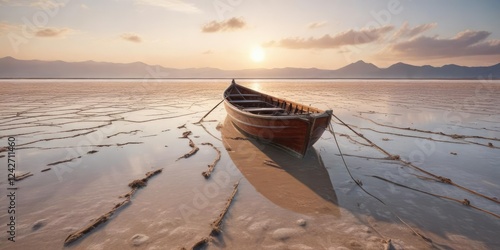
column 247, row 101
column 243, row 95
column 263, row 109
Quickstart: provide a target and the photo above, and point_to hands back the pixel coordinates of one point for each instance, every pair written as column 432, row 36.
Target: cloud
column 228, row 25
column 465, row 43
column 52, row 32
column 207, row 52
column 6, row 27
column 44, row 4
column 131, row 37
column 350, row 37
column 84, row 6
column 173, row 5
column 406, row 32
column 315, row 25
column 45, row 32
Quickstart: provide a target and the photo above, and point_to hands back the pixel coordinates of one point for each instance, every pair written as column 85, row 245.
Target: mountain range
column 14, row 68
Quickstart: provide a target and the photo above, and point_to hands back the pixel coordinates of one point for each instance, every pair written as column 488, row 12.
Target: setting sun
column 257, row 54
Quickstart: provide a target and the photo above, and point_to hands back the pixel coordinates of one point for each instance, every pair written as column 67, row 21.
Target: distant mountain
column 359, row 69
column 402, row 70
column 14, row 68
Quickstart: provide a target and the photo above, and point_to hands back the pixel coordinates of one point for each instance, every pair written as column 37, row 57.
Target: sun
column 257, row 54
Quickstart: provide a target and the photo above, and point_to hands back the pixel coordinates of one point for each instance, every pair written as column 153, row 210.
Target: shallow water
column 448, row 128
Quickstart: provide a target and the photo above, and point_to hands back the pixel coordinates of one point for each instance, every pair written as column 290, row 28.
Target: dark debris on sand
column 134, row 185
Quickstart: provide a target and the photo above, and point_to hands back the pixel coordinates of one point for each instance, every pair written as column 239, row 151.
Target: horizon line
column 243, row 78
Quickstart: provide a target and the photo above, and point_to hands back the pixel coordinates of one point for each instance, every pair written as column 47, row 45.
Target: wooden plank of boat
column 262, row 109
column 243, row 95
column 247, row 101
column 289, row 125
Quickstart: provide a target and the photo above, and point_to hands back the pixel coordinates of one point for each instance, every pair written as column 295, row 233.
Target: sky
column 244, row 34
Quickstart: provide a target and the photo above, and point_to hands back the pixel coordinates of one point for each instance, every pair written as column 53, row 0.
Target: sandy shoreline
column 95, row 146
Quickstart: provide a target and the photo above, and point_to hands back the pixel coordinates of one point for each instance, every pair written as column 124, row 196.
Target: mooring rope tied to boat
column 464, row 201
column 409, row 164
column 360, row 184
column 198, row 122
column 453, row 136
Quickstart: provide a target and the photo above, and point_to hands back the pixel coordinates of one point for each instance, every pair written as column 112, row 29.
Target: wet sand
column 84, row 141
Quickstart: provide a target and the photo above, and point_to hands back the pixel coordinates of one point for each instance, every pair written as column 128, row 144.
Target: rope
column 198, row 122
column 358, row 182
column 464, row 201
column 409, row 164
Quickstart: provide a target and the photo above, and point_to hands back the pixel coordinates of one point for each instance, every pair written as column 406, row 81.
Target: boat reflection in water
column 300, row 185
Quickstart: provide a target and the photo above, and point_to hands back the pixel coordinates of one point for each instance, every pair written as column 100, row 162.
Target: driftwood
column 63, row 161
column 128, row 143
column 134, row 185
column 96, row 222
column 192, row 152
column 216, row 224
column 22, row 176
column 119, row 133
column 200, row 244
column 211, row 167
column 186, row 134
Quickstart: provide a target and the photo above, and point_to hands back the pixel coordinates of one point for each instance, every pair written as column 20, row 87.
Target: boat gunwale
column 306, row 117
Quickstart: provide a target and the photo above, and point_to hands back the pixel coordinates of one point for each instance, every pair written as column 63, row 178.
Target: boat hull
column 294, row 133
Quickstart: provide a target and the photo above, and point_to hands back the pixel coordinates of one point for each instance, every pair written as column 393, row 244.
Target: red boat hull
column 294, row 133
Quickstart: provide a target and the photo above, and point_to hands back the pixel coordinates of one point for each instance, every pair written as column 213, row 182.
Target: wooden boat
column 289, row 125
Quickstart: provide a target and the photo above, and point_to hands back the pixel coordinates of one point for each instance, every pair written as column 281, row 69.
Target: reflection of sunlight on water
column 256, row 85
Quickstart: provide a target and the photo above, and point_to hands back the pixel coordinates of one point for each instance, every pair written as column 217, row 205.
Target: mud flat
column 83, row 141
